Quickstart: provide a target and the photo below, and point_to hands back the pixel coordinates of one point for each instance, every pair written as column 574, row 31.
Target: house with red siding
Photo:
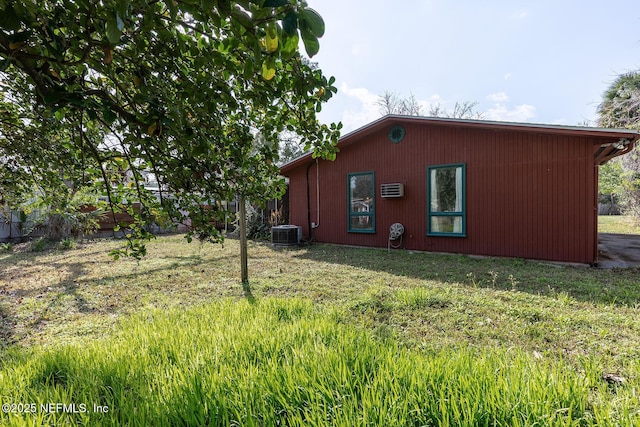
column 459, row 186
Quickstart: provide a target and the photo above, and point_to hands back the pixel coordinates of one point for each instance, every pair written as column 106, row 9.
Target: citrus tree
column 118, row 90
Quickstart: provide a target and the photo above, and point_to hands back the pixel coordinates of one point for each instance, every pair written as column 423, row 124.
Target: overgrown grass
column 288, row 362
column 517, row 319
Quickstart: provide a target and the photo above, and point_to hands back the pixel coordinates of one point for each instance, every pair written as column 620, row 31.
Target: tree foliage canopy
column 191, row 92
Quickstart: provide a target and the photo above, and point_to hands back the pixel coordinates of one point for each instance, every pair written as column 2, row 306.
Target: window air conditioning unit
column 286, row 234
column 392, row 190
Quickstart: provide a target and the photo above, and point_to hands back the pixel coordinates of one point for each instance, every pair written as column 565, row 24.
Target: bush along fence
column 18, row 226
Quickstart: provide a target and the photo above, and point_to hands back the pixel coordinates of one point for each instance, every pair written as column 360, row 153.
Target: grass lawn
column 619, row 224
column 350, row 337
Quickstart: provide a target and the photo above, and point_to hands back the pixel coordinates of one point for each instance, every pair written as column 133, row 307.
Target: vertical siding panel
column 314, row 191
column 593, row 223
column 541, row 195
column 540, row 174
column 495, row 217
column 586, row 227
column 573, row 154
column 583, row 225
column 572, row 214
column 560, row 202
column 515, row 176
column 569, row 179
column 549, row 199
column 569, row 175
column 556, row 220
column 581, row 210
column 297, row 198
column 578, row 209
column 479, row 196
column 526, row 161
column 534, row 193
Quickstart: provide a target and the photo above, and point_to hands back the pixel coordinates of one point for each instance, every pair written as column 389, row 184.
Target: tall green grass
column 287, row 362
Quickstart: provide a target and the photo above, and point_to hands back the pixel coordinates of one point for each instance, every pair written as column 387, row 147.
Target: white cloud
column 433, row 101
column 498, row 97
column 520, row 113
column 367, row 111
column 502, row 112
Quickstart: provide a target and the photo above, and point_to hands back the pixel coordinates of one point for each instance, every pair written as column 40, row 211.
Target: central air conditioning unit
column 394, row 190
column 286, row 234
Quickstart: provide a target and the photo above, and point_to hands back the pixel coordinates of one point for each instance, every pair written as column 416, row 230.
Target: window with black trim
column 361, row 202
column 446, row 200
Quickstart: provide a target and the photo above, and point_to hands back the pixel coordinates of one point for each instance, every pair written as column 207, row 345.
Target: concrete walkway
column 618, row 250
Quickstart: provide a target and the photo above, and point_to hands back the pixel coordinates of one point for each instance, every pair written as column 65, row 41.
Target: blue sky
column 527, row 61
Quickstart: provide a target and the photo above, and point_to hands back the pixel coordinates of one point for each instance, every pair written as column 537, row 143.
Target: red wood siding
column 528, row 195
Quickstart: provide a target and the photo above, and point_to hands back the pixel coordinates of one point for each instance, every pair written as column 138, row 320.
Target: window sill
column 447, row 235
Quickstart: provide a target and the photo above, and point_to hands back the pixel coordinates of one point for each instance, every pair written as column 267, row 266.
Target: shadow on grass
column 246, row 288
column 612, row 287
column 68, row 284
column 7, row 325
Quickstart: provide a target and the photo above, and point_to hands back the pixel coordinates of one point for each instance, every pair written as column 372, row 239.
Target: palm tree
column 620, row 107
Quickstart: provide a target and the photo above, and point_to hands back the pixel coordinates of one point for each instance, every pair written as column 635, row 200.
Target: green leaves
column 311, row 28
column 311, row 44
column 9, row 20
column 4, row 64
column 269, row 68
column 271, row 38
column 113, row 28
column 290, row 45
column 248, row 70
column 275, row 3
column 290, row 23
column 180, row 87
column 311, row 22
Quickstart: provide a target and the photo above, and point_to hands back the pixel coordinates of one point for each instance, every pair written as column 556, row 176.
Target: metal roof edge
column 293, row 163
column 288, row 162
column 485, row 123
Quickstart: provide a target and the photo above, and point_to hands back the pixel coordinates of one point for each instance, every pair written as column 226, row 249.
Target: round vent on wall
column 396, row 134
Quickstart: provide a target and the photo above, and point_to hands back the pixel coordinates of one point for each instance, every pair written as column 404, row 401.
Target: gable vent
column 392, row 190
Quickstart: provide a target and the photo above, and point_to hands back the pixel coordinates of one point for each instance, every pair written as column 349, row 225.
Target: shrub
column 67, row 243
column 39, row 245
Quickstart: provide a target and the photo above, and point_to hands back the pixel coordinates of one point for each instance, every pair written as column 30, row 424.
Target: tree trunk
column 244, row 270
